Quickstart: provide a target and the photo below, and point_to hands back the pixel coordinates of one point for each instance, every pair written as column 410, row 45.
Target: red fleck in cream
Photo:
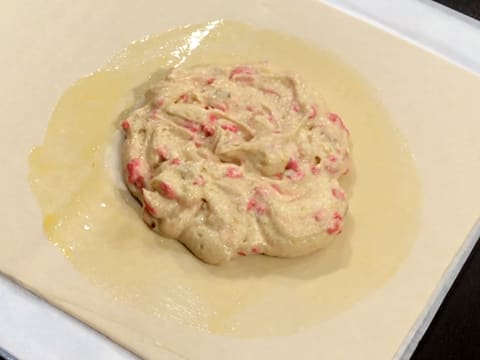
column 157, row 103
column 220, row 106
column 315, row 169
column 292, row 165
column 234, row 173
column 335, row 118
column 338, row 194
column 334, row 229
column 251, row 204
column 208, row 129
column 277, row 188
column 149, row 208
column 212, row 118
column 184, row 98
column 230, row 127
column 192, row 126
column 175, row 161
column 337, row 223
column 134, row 175
column 320, row 215
column 166, row 190
column 200, row 180
column 241, row 70
column 163, row 153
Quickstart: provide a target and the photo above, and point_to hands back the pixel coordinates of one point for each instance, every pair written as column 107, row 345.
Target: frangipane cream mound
column 237, row 160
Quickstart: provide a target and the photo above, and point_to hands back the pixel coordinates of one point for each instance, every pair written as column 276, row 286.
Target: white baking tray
column 31, row 328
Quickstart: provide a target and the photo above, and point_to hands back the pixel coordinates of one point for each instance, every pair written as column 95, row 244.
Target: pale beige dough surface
column 93, row 219
column 237, row 160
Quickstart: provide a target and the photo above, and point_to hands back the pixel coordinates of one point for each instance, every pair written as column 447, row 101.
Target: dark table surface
column 467, row 7
column 454, row 333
